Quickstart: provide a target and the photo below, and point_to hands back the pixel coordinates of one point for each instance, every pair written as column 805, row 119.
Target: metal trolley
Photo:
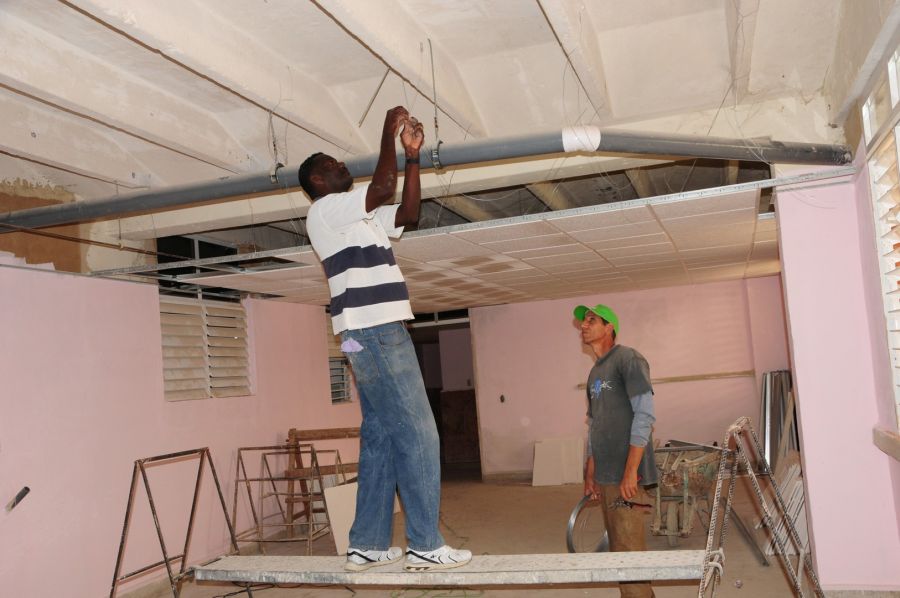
column 687, row 473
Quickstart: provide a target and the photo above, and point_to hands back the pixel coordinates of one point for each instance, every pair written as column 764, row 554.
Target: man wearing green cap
column 620, row 464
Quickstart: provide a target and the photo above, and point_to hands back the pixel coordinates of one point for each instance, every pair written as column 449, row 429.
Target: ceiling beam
column 403, row 45
column 228, row 57
column 553, row 195
column 732, row 169
column 53, row 71
column 47, row 136
column 572, row 26
column 464, row 207
column 640, row 180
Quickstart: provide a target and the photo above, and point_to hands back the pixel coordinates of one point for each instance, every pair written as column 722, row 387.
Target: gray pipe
column 581, row 139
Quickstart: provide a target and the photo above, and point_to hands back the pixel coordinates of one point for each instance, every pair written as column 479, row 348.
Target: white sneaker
column 439, row 558
column 360, row 560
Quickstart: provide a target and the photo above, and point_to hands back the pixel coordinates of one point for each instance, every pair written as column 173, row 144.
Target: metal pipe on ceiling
column 577, row 139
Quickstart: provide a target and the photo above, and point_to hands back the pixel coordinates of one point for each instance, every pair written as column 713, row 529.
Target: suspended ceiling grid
column 632, row 245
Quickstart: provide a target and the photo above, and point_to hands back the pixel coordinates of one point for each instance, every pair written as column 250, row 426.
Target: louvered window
column 339, row 372
column 204, row 347
column 338, row 368
column 881, row 114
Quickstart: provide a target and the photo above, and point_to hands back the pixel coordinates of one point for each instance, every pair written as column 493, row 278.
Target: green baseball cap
column 601, row 310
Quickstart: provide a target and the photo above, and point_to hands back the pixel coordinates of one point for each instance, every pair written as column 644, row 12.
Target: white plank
column 483, row 570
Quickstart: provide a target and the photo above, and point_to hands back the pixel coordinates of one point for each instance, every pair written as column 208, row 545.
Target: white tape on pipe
column 581, row 138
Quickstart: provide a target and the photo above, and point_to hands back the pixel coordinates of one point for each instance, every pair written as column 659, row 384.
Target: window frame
column 883, row 165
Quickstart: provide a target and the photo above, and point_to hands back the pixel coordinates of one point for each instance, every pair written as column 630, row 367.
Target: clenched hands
column 412, row 136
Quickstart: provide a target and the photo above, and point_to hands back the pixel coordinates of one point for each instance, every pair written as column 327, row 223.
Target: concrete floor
column 516, row 518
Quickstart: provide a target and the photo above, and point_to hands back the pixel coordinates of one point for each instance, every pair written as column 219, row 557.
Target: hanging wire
column 437, row 133
column 375, row 95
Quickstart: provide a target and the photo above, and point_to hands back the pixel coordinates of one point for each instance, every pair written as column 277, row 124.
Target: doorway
column 444, row 351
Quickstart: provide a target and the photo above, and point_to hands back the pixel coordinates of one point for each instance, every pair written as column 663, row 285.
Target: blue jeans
column 399, row 445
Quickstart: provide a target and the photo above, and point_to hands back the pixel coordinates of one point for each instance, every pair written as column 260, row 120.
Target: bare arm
column 628, row 487
column 590, row 486
column 384, row 179
column 412, row 137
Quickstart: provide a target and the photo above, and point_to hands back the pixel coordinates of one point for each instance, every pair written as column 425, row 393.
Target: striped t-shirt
column 367, row 287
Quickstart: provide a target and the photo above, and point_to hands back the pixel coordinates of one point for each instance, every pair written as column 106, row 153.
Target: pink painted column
column 826, row 236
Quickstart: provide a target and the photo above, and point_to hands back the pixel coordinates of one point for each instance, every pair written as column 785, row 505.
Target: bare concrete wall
column 67, row 256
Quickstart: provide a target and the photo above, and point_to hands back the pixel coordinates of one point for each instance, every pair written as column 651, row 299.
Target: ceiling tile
column 547, row 251
column 729, row 253
column 599, row 264
column 636, row 233
column 763, row 268
column 695, row 236
column 439, row 246
column 638, row 262
column 671, row 271
column 743, row 216
column 716, row 273
column 507, row 232
column 766, row 223
column 765, row 235
column 534, row 242
column 605, row 219
column 659, row 283
column 601, row 242
column 654, row 249
column 745, row 200
column 565, row 258
column 765, row 251
column 504, row 278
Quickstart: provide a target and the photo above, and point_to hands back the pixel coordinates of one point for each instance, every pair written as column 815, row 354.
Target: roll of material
column 18, row 498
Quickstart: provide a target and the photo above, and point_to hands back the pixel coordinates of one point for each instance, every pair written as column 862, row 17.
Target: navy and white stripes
column 368, row 265
column 367, row 287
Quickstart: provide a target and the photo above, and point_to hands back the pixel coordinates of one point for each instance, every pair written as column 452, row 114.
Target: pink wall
column 81, row 364
column 532, row 354
column 457, row 371
column 839, row 353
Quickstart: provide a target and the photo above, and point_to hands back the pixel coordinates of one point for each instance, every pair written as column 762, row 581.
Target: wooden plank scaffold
column 707, row 565
column 483, row 570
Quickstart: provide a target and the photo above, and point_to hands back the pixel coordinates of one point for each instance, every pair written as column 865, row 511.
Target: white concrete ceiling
column 102, row 97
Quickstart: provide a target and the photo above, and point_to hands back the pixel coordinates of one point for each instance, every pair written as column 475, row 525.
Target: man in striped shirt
column 349, row 227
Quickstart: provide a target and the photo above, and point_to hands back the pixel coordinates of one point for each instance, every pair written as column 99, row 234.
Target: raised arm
column 411, row 137
column 384, row 179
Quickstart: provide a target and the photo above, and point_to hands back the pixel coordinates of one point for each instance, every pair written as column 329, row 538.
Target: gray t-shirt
column 616, row 377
